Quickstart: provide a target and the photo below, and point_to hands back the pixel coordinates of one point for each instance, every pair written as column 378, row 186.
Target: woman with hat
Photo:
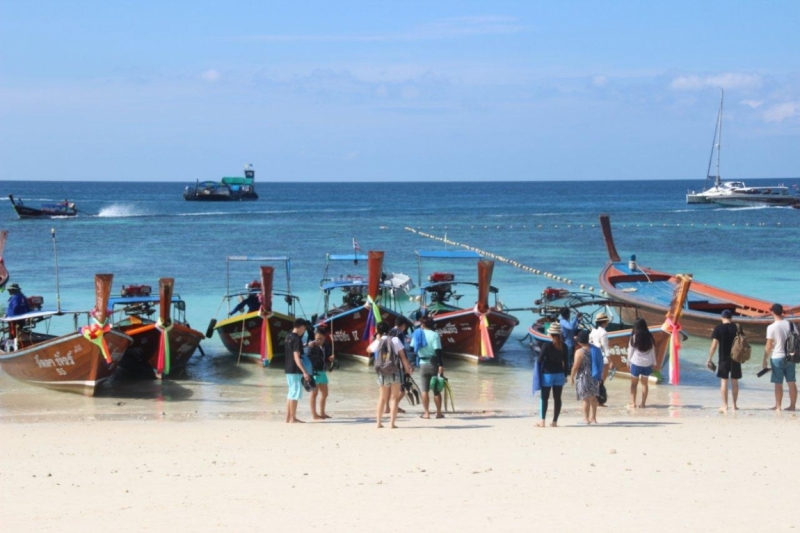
column 18, row 303
column 599, row 338
column 586, row 387
column 554, row 370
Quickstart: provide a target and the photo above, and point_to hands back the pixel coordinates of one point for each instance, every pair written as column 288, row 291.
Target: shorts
column 728, row 368
column 295, row 386
column 427, row 371
column 781, row 369
column 389, row 380
column 637, row 370
column 320, row 377
column 553, row 380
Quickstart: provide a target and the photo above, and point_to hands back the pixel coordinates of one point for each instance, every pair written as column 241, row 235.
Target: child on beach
column 641, row 359
column 586, row 387
column 320, row 353
column 554, row 369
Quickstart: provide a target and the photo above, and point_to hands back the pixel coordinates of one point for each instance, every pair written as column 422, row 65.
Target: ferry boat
column 736, row 193
column 230, row 189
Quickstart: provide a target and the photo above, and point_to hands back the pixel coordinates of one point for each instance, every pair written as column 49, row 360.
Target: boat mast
column 719, row 138
column 55, row 254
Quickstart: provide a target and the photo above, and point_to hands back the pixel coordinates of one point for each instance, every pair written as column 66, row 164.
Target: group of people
column 306, row 367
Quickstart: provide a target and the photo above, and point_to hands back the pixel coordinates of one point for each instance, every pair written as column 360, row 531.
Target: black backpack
column 792, row 345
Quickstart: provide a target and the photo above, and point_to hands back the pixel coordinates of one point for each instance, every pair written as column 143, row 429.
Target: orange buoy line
column 501, row 259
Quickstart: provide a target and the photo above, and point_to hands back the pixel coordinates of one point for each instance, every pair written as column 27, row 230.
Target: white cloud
column 752, row 104
column 600, row 81
column 726, row 80
column 780, row 112
column 210, row 76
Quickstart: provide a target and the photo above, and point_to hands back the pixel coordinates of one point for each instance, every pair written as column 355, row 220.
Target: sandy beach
column 656, row 470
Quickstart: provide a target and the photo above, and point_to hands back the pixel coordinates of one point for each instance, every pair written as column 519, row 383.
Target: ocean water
column 143, row 231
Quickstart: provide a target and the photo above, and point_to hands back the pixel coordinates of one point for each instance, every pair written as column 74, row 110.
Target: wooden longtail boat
column 137, row 307
column 243, row 334
column 651, row 291
column 587, row 305
column 351, row 325
column 3, row 271
column 76, row 362
column 60, row 209
column 474, row 334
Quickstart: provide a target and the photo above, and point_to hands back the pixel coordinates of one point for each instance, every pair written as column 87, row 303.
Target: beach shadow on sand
column 630, row 424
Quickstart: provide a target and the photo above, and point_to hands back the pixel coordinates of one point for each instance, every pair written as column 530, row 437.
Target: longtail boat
column 76, row 362
column 3, row 271
column 136, row 308
column 59, row 209
column 351, row 324
column 586, row 306
column 475, row 333
column 243, row 334
column 651, row 291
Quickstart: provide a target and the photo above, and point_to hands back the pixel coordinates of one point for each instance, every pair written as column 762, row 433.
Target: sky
column 397, row 91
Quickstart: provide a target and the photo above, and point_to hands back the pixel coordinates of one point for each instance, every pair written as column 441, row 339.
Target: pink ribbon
column 674, row 351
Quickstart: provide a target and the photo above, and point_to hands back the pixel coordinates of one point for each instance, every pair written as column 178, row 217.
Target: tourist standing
column 554, row 371
column 389, row 382
column 295, row 371
column 775, row 351
column 599, row 339
column 569, row 327
column 428, row 345
column 723, row 336
column 586, row 387
column 320, row 352
column 641, row 360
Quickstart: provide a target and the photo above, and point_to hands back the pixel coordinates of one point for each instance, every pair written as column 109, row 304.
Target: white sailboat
column 735, row 193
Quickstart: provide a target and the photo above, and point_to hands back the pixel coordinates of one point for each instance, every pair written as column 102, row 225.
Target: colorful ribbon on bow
column 373, row 319
column 486, row 341
column 163, row 362
column 95, row 333
column 674, row 329
column 266, row 340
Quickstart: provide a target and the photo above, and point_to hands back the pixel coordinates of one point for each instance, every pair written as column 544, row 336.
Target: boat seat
column 749, row 312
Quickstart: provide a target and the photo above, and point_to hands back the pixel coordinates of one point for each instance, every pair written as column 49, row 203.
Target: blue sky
column 394, row 91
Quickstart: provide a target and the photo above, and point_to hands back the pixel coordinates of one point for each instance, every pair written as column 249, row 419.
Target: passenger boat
column 735, row 193
column 586, row 306
column 651, row 291
column 351, row 323
column 243, row 334
column 75, row 362
column 133, row 313
column 4, row 275
column 476, row 333
column 230, row 189
column 59, row 209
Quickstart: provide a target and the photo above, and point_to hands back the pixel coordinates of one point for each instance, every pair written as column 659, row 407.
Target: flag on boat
column 356, row 247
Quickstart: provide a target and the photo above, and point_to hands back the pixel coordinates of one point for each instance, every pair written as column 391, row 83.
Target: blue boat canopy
column 448, row 254
column 347, row 257
column 127, row 300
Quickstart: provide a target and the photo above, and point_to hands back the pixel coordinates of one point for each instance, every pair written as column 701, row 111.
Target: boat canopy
column 127, row 300
column 448, row 254
column 346, row 257
column 39, row 314
column 343, row 283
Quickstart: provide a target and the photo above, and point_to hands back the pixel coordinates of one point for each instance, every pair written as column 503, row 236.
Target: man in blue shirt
column 568, row 330
column 18, row 303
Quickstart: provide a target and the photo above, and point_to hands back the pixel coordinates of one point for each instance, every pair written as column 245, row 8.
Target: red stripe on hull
column 461, row 335
column 245, row 335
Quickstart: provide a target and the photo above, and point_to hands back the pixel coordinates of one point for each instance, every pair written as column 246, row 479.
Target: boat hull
column 648, row 289
column 144, row 348
column 461, row 336
column 69, row 363
column 241, row 334
column 347, row 331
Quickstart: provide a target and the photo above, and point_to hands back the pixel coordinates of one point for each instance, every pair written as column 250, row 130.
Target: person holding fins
column 554, row 370
column 428, row 345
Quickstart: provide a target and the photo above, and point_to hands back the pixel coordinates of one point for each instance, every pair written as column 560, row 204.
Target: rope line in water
column 502, row 259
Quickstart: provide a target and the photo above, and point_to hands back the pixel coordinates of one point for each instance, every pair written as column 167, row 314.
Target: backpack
column 740, row 349
column 792, row 345
column 387, row 361
column 596, row 354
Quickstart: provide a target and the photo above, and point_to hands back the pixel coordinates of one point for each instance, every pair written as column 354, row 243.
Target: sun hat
column 554, row 329
column 14, row 287
column 600, row 317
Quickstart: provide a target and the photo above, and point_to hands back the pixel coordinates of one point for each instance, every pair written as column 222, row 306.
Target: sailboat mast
column 719, row 137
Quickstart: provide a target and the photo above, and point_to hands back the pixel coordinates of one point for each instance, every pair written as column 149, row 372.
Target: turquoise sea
column 143, row 231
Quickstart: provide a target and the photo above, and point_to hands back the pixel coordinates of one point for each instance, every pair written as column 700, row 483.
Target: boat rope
column 502, row 259
column 163, row 362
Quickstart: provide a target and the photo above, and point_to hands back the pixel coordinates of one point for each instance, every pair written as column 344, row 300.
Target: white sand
column 638, row 472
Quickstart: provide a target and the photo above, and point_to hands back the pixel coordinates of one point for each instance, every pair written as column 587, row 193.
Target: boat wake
column 120, row 210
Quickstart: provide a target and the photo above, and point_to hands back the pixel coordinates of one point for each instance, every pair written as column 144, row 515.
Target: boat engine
column 35, row 303
column 136, row 290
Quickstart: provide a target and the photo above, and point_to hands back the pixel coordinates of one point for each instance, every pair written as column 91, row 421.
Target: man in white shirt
column 775, row 351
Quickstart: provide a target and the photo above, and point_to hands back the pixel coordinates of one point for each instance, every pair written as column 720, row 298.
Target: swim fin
column 448, row 393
